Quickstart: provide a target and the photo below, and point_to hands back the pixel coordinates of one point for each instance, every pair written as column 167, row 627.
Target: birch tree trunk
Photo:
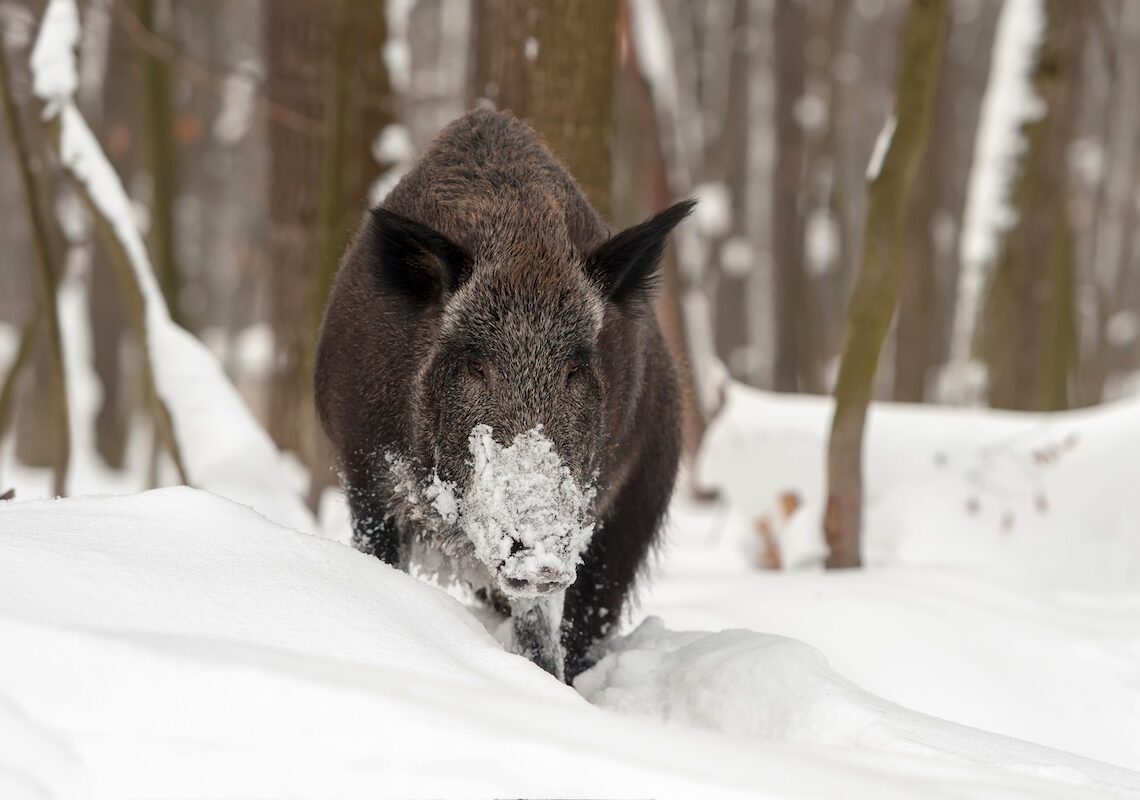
column 877, row 287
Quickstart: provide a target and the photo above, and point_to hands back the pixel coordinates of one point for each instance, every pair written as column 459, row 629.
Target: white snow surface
column 175, row 644
column 757, row 684
column 1003, row 580
column 523, row 509
column 223, row 447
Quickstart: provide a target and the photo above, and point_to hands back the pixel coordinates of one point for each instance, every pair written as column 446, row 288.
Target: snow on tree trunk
column 1009, row 104
column 877, row 287
column 214, row 439
column 1028, row 326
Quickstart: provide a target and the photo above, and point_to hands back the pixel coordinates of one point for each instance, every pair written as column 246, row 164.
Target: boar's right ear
column 413, row 259
column 625, row 265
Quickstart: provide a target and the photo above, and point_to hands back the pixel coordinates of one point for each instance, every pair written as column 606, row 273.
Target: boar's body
column 486, row 291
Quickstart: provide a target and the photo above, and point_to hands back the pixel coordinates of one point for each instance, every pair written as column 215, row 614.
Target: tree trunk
column 553, row 64
column 918, row 330
column 162, row 158
column 729, row 166
column 644, row 176
column 118, row 125
column 325, row 63
column 1029, row 337
column 877, row 287
column 49, row 279
column 787, row 228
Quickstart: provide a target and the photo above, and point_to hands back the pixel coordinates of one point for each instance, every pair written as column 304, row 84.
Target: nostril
column 516, row 584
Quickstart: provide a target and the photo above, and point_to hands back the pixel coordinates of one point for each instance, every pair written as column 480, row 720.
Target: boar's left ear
column 413, row 259
column 625, row 265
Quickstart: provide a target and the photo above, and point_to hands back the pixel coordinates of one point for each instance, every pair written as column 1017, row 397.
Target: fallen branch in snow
column 49, row 280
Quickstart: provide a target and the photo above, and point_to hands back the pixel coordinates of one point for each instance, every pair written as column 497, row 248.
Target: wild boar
column 503, row 404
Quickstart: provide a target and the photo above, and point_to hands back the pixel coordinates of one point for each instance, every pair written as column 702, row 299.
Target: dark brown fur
column 487, row 290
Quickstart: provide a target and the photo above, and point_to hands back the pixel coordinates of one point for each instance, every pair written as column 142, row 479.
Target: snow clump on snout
column 525, row 514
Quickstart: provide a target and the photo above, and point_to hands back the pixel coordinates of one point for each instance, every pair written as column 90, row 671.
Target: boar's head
column 511, row 399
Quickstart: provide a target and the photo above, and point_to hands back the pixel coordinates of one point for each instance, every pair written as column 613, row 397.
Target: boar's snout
column 519, row 581
column 525, row 515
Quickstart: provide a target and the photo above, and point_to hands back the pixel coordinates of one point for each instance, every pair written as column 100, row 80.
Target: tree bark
column 553, row 64
column 728, row 164
column 918, row 330
column 877, row 287
column 787, row 226
column 325, row 63
column 1029, row 337
column 644, row 176
column 118, row 122
column 49, row 278
column 163, row 162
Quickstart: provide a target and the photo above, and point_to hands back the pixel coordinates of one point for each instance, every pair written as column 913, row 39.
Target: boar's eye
column 572, row 370
column 476, row 370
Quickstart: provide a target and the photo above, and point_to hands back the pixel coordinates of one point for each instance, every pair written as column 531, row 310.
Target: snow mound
column 175, row 644
column 753, row 684
column 523, row 511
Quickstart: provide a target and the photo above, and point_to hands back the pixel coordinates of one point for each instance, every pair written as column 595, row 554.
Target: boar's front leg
column 537, row 624
column 374, row 531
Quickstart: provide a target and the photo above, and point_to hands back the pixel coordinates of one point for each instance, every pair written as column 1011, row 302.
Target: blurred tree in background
column 324, row 64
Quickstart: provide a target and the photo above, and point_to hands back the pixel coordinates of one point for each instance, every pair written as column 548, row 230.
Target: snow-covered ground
column 175, row 643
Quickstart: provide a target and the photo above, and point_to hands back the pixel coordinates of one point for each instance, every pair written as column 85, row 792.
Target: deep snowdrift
column 174, row 643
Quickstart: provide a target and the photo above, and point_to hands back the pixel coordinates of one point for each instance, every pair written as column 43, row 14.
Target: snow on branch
column 215, row 440
column 882, row 145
